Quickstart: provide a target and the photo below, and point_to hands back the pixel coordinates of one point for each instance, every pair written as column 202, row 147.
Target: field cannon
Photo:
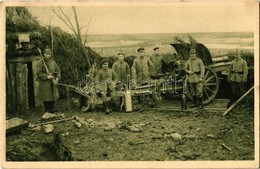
column 215, row 68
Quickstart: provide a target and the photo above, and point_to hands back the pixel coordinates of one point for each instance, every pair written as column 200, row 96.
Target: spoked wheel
column 210, row 86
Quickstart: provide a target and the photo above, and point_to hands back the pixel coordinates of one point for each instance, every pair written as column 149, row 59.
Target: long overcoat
column 47, row 90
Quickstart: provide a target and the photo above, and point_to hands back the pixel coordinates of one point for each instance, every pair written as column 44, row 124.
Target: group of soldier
column 144, row 69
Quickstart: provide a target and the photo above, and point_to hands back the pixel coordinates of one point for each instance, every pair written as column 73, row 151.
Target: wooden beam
column 239, row 100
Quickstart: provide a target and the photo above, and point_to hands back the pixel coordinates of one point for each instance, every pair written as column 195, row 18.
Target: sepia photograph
column 160, row 84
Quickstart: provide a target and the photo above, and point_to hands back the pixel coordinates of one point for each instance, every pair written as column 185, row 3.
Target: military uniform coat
column 238, row 71
column 195, row 65
column 121, row 69
column 47, row 90
column 106, row 79
column 141, row 67
column 157, row 62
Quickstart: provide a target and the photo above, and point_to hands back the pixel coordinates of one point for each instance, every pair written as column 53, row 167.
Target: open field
column 217, row 43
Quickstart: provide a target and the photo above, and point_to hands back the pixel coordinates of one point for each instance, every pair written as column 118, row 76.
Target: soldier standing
column 237, row 76
column 48, row 74
column 141, row 67
column 195, row 73
column 121, row 68
column 156, row 59
column 106, row 77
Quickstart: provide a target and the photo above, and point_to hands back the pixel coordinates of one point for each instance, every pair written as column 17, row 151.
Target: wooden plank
column 15, row 124
column 38, row 102
column 13, row 89
column 9, row 92
column 21, row 88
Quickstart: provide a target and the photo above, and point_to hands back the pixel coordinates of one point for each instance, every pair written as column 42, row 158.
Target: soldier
column 106, row 77
column 237, row 76
column 195, row 73
column 48, row 74
column 140, row 67
column 156, row 59
column 121, row 68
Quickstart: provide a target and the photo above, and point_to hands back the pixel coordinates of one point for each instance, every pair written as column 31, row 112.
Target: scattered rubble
column 175, row 136
column 210, row 136
column 47, row 116
column 48, row 128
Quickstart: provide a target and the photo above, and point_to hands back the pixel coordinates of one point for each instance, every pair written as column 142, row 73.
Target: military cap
column 140, row 49
column 155, row 48
column 47, row 50
column 192, row 51
column 104, row 61
column 237, row 52
column 121, row 53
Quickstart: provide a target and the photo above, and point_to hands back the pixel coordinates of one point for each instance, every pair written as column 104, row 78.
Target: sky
column 156, row 17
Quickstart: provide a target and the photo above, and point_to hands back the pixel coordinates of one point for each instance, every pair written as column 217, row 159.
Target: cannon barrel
column 220, row 59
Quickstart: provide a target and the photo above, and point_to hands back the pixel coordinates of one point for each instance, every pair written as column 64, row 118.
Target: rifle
column 54, row 75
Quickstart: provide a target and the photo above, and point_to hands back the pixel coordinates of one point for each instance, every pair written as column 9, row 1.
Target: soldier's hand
column 49, row 77
column 189, row 72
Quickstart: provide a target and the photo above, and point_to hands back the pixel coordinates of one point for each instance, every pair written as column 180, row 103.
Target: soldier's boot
column 195, row 102
column 47, row 106
column 107, row 108
column 200, row 103
column 52, row 107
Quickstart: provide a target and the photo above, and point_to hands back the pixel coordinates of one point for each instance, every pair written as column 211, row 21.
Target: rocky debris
column 77, row 141
column 108, row 128
column 134, row 128
column 175, row 136
column 47, row 116
column 190, row 155
column 37, row 128
column 210, row 136
column 191, row 137
column 61, row 116
column 156, row 136
column 65, row 134
column 48, row 128
column 77, row 124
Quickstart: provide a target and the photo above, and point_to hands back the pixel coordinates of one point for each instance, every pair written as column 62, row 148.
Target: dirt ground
column 147, row 135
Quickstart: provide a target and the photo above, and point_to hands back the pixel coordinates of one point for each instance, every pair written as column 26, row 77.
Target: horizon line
column 167, row 33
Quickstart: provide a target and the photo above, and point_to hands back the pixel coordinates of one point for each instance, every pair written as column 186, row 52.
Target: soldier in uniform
column 48, row 74
column 141, row 68
column 121, row 68
column 156, row 59
column 195, row 73
column 237, row 76
column 106, row 77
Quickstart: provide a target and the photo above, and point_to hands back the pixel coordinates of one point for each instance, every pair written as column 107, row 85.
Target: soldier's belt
column 237, row 72
column 197, row 73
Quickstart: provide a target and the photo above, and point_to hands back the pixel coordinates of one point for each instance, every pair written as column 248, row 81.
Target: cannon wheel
column 210, row 86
